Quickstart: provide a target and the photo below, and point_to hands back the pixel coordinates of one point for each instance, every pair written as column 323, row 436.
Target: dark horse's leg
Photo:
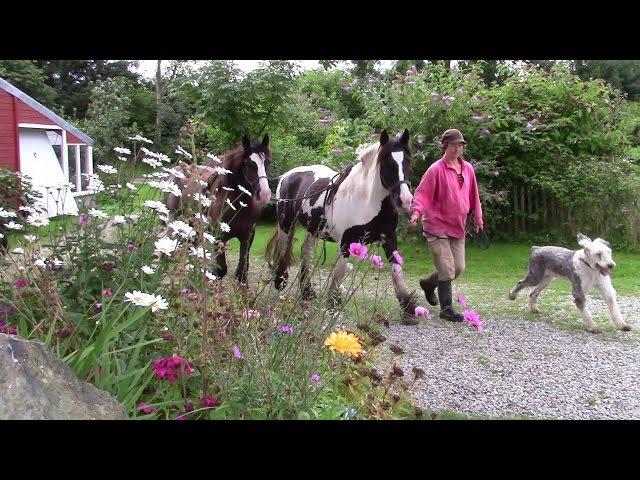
column 221, row 259
column 406, row 299
column 307, row 254
column 243, row 262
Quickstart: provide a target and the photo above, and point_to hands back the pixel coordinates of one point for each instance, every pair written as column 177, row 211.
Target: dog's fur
column 587, row 268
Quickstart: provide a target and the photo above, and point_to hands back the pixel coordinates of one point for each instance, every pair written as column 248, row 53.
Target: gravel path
column 522, row 367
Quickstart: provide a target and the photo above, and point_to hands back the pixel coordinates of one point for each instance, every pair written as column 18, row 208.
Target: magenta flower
column 208, row 402
column 21, row 283
column 421, row 312
column 474, row 319
column 188, row 407
column 143, row 406
column 237, row 353
column 98, row 306
column 12, row 329
column 107, row 292
column 131, row 246
column 315, row 378
column 168, row 337
column 83, row 219
column 397, row 257
column 171, row 368
column 376, row 261
column 286, row 329
column 461, row 300
column 358, row 250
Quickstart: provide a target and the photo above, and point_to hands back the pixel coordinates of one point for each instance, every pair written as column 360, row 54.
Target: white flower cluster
column 221, row 170
column 151, row 161
column 157, row 205
column 140, row 138
column 94, row 212
column 122, row 150
column 200, row 252
column 7, row 213
column 166, row 187
column 214, row 158
column 182, row 151
column 131, row 186
column 108, row 169
column 182, row 229
column 175, row 172
column 141, row 299
column 204, row 200
column 166, row 245
column 159, row 156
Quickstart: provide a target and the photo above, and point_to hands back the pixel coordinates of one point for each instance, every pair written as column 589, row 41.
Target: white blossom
column 175, row 172
column 122, row 159
column 228, row 189
column 18, row 251
column 140, row 138
column 131, row 186
column 94, row 212
column 225, row 227
column 244, row 190
column 182, row 151
column 7, row 213
column 150, row 161
column 141, row 299
column 57, row 262
column 209, row 275
column 30, row 238
column 200, row 252
column 182, row 229
column 208, row 237
column 119, row 219
column 40, row 263
column 108, row 169
column 221, row 170
column 124, row 151
column 13, row 225
column 242, row 204
column 38, row 220
column 214, row 158
column 201, row 217
column 166, row 245
column 203, row 199
column 148, row 270
column 231, row 204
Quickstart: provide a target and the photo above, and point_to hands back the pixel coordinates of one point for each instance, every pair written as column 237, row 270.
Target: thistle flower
column 286, row 329
column 236, row 352
column 315, row 378
column 143, row 406
column 21, row 283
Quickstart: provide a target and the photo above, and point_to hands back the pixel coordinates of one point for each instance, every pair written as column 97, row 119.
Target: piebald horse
column 248, row 165
column 359, row 204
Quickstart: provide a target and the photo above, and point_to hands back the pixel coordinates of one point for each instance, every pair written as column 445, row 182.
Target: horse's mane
column 367, row 152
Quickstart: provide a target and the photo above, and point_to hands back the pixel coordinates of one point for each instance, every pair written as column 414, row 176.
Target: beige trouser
column 448, row 256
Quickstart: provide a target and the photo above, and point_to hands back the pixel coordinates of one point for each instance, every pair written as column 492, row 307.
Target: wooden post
column 514, row 206
column 78, row 169
column 522, row 207
column 88, row 160
column 64, row 149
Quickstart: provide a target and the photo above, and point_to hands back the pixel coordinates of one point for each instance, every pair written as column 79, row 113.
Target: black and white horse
column 359, row 204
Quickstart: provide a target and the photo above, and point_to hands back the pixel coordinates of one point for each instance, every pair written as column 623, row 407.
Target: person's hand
column 479, row 226
column 414, row 219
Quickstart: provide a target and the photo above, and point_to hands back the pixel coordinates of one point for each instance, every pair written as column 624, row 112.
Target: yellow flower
column 344, row 342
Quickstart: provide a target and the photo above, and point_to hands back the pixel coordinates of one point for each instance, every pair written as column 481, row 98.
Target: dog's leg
column 609, row 295
column 533, row 278
column 581, row 302
column 533, row 296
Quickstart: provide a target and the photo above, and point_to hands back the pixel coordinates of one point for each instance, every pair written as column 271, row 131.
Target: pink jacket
column 443, row 204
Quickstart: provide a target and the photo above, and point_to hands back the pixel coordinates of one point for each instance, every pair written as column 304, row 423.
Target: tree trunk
column 158, row 106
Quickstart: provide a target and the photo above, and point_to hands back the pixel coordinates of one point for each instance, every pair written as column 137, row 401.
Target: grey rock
column 36, row 385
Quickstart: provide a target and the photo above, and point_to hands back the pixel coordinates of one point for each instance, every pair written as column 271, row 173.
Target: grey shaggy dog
column 587, row 268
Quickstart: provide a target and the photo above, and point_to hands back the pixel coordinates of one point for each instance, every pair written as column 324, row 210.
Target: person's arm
column 423, row 195
column 474, row 201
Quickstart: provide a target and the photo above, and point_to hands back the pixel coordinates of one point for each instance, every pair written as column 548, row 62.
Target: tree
column 28, row 77
column 622, row 74
column 74, row 79
column 364, row 68
column 493, row 71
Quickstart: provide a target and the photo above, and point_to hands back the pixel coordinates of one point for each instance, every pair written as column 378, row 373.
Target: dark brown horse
column 243, row 168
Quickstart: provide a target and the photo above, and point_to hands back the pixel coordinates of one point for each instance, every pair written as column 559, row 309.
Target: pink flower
column 21, row 283
column 358, row 250
column 286, row 329
column 131, row 246
column 315, row 378
column 83, row 219
column 143, row 406
column 188, row 407
column 171, row 368
column 237, row 353
column 474, row 319
column 168, row 337
column 421, row 312
column 397, row 257
column 107, row 292
column 12, row 329
column 98, row 306
column 208, row 402
column 376, row 261
column 461, row 300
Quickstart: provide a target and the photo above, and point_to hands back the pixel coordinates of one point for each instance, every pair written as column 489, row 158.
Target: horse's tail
column 274, row 252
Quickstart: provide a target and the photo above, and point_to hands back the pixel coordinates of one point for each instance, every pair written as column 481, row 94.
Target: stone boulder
column 37, row 385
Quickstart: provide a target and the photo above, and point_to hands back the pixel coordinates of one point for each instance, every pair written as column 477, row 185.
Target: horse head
column 254, row 162
column 394, row 157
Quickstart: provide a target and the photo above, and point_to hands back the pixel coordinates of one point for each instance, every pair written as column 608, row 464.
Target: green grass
column 497, row 268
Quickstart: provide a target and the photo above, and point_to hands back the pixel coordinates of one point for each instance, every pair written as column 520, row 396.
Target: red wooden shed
column 36, row 142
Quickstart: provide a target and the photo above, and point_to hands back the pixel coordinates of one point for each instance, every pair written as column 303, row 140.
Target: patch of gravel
column 521, row 367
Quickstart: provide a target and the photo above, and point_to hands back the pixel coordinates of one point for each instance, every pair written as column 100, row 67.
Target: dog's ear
column 603, row 241
column 583, row 240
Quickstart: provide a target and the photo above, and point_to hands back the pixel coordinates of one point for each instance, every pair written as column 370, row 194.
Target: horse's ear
column 246, row 143
column 384, row 137
column 405, row 137
column 265, row 141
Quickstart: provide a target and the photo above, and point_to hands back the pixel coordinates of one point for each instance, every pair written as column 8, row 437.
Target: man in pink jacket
column 447, row 193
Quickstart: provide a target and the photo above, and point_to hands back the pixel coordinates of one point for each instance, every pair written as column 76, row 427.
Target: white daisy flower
column 13, row 225
column 133, row 216
column 200, row 252
column 107, row 169
column 130, row 186
column 163, row 157
column 57, row 262
column 228, row 189
column 203, row 199
column 163, row 218
column 157, row 206
column 30, row 238
column 221, row 171
column 1, row 235
column 231, row 204
column 203, row 183
column 155, row 184
column 172, row 188
column 18, row 251
column 94, row 212
column 214, row 158
column 122, row 150
column 22, row 208
column 225, row 227
column 166, row 245
column 182, row 229
column 160, row 175
column 210, row 275
column 208, row 237
column 201, row 217
column 148, row 270
column 38, row 220
column 7, row 213
column 175, row 172
column 40, row 263
column 242, row 204
column 244, row 190
column 122, row 159
column 119, row 219
column 140, row 138
column 182, row 151
column 151, row 161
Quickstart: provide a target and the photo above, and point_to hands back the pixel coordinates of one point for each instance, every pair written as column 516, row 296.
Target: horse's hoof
column 512, row 296
column 625, row 328
column 536, row 310
column 593, row 330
